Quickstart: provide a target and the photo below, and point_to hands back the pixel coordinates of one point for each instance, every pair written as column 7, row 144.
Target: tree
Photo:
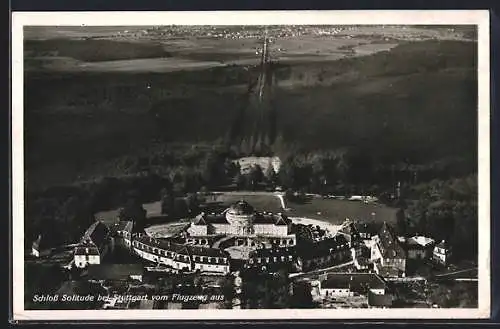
column 240, row 181
column 213, row 170
column 228, row 291
column 256, row 175
column 192, row 203
column 266, row 290
column 180, row 208
column 401, row 222
column 302, row 297
column 167, row 201
column 271, row 175
column 135, row 212
column 288, row 174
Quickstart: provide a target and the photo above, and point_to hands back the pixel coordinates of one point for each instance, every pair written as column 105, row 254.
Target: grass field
column 111, row 216
column 332, row 211
column 336, row 211
column 259, row 202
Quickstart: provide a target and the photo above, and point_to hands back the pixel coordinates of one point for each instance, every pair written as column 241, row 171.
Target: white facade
column 440, row 255
column 270, row 229
column 375, row 253
column 335, row 292
column 216, row 268
column 223, row 229
column 84, row 260
column 380, row 291
column 179, row 261
column 237, row 229
column 136, row 277
column 35, row 252
column 416, row 253
column 197, row 230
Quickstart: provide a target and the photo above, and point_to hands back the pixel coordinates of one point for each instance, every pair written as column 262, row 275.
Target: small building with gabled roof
column 40, row 247
column 93, row 245
column 351, row 284
column 441, row 253
column 387, row 254
column 419, row 247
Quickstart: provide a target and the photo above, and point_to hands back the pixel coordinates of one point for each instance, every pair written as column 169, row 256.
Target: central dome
column 240, row 214
column 241, row 208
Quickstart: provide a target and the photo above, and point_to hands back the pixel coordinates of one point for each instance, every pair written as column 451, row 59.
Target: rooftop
column 124, row 226
column 97, row 233
column 87, row 247
column 324, row 247
column 388, row 271
column 271, row 252
column 209, row 252
column 389, row 243
column 419, row 240
column 358, row 282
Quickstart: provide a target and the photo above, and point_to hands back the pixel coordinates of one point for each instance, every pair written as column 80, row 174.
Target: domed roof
column 241, row 208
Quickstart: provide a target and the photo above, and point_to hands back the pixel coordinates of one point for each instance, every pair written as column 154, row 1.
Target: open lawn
column 153, row 209
column 261, row 202
column 332, row 211
column 336, row 211
column 166, row 230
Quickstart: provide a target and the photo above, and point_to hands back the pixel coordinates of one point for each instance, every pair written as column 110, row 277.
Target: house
column 360, row 253
column 367, row 230
column 124, row 231
column 442, row 253
column 272, row 259
column 86, row 253
column 350, row 231
column 324, row 253
column 419, row 247
column 361, row 257
column 40, row 247
column 209, row 259
column 351, row 284
column 93, row 246
column 387, row 254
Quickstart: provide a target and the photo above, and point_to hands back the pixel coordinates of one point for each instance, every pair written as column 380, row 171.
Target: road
column 319, row 272
column 456, row 272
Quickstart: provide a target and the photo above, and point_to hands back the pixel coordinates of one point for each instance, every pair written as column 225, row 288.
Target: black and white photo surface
column 229, row 165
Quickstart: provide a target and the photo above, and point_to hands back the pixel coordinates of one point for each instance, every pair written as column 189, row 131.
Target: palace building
column 248, row 226
column 238, row 237
column 180, row 256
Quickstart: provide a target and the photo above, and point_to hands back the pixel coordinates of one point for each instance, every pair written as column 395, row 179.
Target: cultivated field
column 61, row 48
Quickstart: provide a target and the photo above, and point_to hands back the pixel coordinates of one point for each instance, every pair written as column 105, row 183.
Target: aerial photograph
column 250, row 167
